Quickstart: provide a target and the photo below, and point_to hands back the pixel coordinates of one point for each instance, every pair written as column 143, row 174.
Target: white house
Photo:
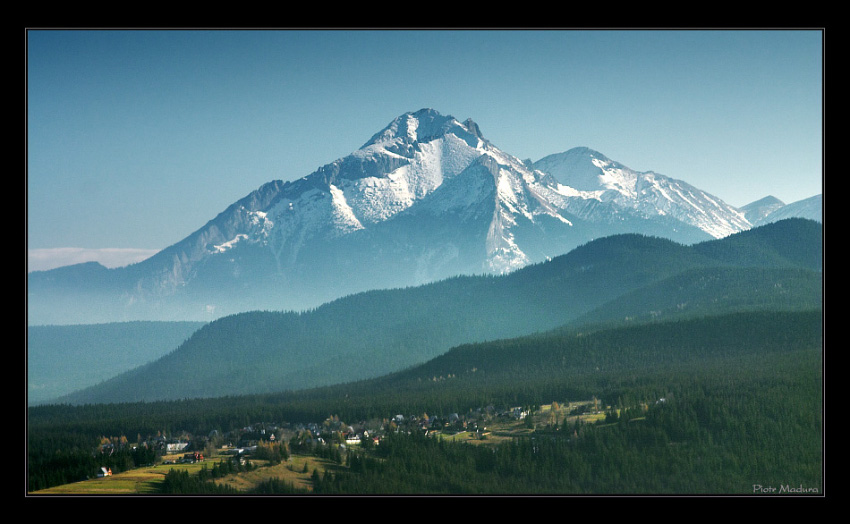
column 176, row 446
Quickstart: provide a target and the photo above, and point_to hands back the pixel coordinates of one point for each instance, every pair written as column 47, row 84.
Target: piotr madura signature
column 783, row 489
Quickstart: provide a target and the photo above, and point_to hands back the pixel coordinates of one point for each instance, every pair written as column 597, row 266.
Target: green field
column 146, row 480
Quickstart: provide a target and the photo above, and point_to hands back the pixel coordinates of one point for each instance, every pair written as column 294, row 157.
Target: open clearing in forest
column 146, row 480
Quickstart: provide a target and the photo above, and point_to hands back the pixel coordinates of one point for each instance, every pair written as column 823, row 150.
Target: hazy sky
column 137, row 138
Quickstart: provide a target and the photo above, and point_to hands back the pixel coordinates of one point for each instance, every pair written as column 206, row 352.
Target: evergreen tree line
column 270, row 452
column 722, row 429
column 623, row 367
column 72, row 458
column 500, row 373
column 372, row 333
column 180, row 482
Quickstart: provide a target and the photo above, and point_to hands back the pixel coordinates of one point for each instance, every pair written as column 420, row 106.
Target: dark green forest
column 624, row 277
column 709, row 405
column 723, row 428
column 711, row 358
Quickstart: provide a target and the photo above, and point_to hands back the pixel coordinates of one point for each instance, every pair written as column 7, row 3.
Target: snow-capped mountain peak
column 426, row 198
column 810, row 208
column 584, row 169
column 418, row 153
column 587, row 174
column 422, row 126
column 756, row 211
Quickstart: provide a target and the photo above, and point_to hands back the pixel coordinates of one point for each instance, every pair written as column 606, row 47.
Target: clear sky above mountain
column 137, row 138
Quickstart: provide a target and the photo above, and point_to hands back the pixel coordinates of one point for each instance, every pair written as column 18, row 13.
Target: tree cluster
column 742, row 405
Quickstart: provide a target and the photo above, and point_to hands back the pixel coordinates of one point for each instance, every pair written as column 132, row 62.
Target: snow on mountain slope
column 410, row 159
column 755, row 211
column 426, row 198
column 400, row 165
column 586, row 174
column 811, row 208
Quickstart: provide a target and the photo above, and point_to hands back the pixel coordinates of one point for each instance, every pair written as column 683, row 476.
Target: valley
column 260, row 265
column 710, row 405
column 704, row 364
column 623, row 278
column 298, row 468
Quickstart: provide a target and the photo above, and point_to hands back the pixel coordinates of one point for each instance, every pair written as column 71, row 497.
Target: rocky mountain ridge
column 425, row 198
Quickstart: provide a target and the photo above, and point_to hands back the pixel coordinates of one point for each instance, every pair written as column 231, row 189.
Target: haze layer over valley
column 425, row 199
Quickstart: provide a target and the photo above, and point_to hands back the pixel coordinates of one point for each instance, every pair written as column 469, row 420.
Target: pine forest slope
column 698, row 406
column 506, row 366
column 712, row 291
column 379, row 332
column 501, row 373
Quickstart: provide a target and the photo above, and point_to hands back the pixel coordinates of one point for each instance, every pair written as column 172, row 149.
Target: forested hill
column 374, row 333
column 697, row 406
column 650, row 346
column 711, row 291
column 538, row 368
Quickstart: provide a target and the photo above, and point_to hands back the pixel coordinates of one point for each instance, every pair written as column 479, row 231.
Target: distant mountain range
column 425, row 199
column 620, row 279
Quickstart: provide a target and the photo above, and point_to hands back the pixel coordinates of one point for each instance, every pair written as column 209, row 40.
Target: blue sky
column 138, row 138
